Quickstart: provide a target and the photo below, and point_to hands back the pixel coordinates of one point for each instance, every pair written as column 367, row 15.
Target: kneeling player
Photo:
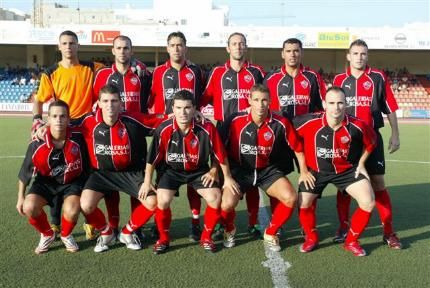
column 183, row 148
column 255, row 142
column 59, row 162
column 336, row 148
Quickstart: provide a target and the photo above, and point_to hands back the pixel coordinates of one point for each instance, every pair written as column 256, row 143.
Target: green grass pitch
column 186, row 265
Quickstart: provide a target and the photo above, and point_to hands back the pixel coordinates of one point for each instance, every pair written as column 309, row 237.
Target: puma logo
column 102, row 132
column 174, row 142
column 348, row 86
column 325, row 137
column 229, row 78
column 248, row 133
column 380, row 163
column 115, row 81
column 286, row 84
column 170, row 77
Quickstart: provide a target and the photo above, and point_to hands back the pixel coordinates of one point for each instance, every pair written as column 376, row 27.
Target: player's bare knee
column 30, row 209
column 150, row 202
column 87, row 206
column 288, row 198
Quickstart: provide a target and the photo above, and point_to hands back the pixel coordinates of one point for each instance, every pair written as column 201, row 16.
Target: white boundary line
column 276, row 264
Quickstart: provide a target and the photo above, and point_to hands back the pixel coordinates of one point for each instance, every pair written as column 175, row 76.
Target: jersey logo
column 133, row 80
column 367, row 85
column 174, row 142
column 189, row 76
column 193, row 143
column 121, row 132
column 348, row 86
column 325, row 137
column 286, row 84
column 169, row 77
column 249, row 133
column 267, row 136
column 344, row 139
column 75, row 150
column 229, row 78
column 115, row 81
column 247, row 78
column 381, row 163
column 56, row 157
column 304, row 84
column 102, row 132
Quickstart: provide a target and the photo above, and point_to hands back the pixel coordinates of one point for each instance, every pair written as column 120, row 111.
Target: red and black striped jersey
column 134, row 90
column 60, row 165
column 186, row 152
column 295, row 96
column 252, row 147
column 330, row 151
column 166, row 81
column 367, row 96
column 228, row 90
column 121, row 147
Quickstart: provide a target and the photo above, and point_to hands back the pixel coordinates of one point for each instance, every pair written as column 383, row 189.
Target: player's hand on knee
column 208, row 179
column 231, row 185
column 145, row 189
column 308, row 179
column 361, row 170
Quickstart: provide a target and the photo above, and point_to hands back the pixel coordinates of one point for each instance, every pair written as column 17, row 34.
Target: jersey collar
column 366, row 70
column 244, row 66
column 266, row 121
column 48, row 137
column 284, row 70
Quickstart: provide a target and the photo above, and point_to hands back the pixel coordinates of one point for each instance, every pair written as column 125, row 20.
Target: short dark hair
column 336, row 89
column 69, row 33
column 178, row 34
column 236, row 34
column 358, row 42
column 123, row 37
column 259, row 88
column 58, row 103
column 184, row 95
column 292, row 41
column 109, row 89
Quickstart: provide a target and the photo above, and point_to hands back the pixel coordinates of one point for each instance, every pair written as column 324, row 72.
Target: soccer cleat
column 255, row 231
column 308, row 246
column 229, row 240
column 272, row 241
column 131, row 241
column 218, row 232
column 340, row 235
column 195, row 233
column 103, row 241
column 70, row 243
column 208, row 245
column 355, row 248
column 90, row 232
column 392, row 241
column 44, row 243
column 140, row 234
column 56, row 229
column 160, row 247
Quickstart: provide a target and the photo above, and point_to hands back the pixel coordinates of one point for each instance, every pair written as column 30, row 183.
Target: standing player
column 336, row 148
column 228, row 90
column 183, row 148
column 117, row 148
column 134, row 90
column 177, row 74
column 69, row 80
column 255, row 142
column 59, row 162
column 368, row 95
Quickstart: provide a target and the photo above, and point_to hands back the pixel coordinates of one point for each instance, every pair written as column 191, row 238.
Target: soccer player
column 69, row 80
column 183, row 147
column 177, row 74
column 255, row 142
column 133, row 86
column 368, row 95
column 228, row 90
column 294, row 89
column 336, row 149
column 117, row 148
column 59, row 162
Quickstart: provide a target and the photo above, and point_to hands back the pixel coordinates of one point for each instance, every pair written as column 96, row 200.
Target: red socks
column 281, row 215
column 139, row 216
column 227, row 218
column 41, row 224
column 212, row 216
column 163, row 219
column 359, row 221
column 96, row 219
column 308, row 221
column 66, row 226
column 252, row 203
column 383, row 204
column 112, row 208
column 343, row 203
column 195, row 204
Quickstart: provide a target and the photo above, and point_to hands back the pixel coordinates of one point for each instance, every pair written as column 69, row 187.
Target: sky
column 337, row 13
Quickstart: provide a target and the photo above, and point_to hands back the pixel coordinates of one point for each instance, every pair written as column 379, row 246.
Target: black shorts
column 375, row 164
column 48, row 190
column 171, row 179
column 263, row 178
column 107, row 182
column 341, row 181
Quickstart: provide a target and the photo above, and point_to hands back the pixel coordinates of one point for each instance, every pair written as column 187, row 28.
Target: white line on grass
column 278, row 267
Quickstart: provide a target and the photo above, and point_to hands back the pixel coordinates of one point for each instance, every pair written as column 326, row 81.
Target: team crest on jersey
column 344, row 139
column 75, row 150
column 304, row 84
column 267, row 136
column 189, row 76
column 247, row 78
column 133, row 80
column 193, row 143
column 121, row 132
column 367, row 85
